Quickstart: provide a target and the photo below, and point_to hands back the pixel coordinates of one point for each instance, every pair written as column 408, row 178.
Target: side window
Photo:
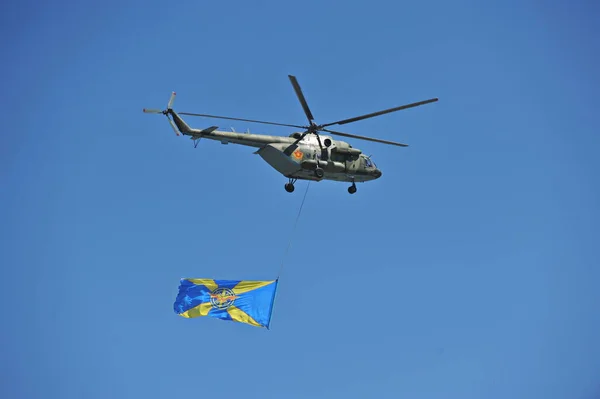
column 368, row 162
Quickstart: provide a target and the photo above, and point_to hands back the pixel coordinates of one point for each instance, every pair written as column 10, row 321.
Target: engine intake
column 349, row 151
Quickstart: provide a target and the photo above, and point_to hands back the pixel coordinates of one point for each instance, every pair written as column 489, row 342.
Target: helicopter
column 303, row 155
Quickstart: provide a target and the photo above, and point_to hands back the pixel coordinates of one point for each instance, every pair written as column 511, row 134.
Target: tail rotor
column 166, row 113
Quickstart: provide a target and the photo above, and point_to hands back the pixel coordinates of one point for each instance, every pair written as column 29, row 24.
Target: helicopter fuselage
column 338, row 161
column 304, row 160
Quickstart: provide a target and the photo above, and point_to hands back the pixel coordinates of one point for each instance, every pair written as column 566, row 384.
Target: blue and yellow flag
column 243, row 301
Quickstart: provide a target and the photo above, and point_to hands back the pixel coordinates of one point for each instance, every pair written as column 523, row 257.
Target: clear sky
column 469, row 270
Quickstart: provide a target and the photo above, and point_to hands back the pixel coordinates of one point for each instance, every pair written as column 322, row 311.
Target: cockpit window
column 369, row 163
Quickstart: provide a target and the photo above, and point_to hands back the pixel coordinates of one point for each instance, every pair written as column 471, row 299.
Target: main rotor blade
column 365, row 138
column 240, row 119
column 301, row 98
column 387, row 111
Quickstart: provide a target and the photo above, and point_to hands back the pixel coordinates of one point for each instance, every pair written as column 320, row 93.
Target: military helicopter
column 303, row 155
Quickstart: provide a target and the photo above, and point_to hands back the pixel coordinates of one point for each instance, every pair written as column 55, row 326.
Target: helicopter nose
column 377, row 173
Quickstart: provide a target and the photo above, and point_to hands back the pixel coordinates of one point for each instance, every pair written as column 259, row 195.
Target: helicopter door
column 351, row 165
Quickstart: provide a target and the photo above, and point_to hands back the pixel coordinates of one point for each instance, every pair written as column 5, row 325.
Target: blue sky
column 469, row 270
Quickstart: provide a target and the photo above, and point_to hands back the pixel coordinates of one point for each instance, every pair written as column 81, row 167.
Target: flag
column 244, row 301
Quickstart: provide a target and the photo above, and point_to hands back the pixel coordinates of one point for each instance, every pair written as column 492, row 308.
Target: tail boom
column 247, row 139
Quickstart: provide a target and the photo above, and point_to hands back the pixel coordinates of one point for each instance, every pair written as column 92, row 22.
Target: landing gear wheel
column 319, row 173
column 289, row 187
column 352, row 189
